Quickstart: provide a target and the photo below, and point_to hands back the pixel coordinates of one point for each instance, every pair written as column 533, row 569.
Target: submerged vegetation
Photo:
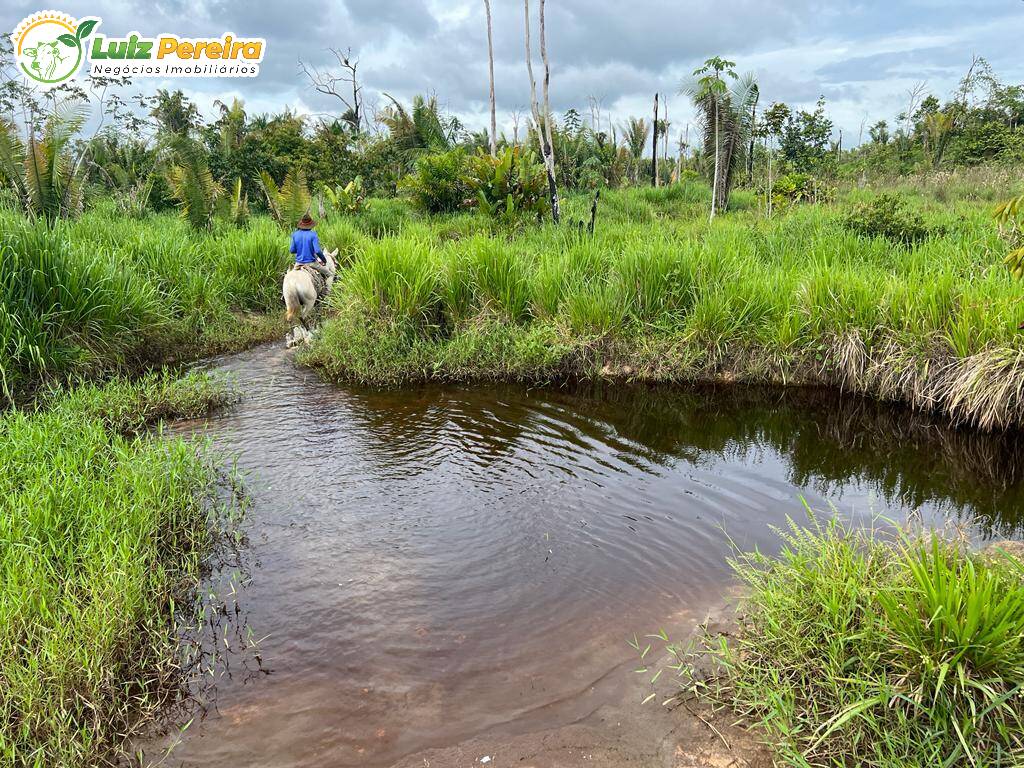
column 102, row 535
column 861, row 649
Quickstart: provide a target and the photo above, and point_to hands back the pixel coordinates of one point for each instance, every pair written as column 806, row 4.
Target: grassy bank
column 104, row 293
column 855, row 649
column 101, row 532
column 660, row 294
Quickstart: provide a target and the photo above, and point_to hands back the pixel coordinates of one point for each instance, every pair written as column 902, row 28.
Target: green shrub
column 438, row 184
column 887, row 216
column 792, row 188
column 341, row 200
column 857, row 650
column 508, row 186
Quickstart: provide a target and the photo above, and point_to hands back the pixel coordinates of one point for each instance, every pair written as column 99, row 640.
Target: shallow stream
column 433, row 564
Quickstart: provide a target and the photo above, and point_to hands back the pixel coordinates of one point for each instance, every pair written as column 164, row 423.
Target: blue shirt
column 305, row 246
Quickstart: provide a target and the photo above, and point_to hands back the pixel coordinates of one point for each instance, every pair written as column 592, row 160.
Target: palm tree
column 191, row 182
column 635, row 133
column 232, row 124
column 726, row 117
column 120, row 162
column 44, row 172
column 420, row 130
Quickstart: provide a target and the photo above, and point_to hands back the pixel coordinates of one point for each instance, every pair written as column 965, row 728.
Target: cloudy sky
column 863, row 56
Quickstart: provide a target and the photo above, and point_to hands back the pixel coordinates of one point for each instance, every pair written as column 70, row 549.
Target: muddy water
column 434, row 564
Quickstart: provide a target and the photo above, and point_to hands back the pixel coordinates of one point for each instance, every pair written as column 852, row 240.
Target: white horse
column 300, row 295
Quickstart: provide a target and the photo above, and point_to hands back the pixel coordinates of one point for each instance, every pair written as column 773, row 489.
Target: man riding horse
column 308, row 280
column 306, row 247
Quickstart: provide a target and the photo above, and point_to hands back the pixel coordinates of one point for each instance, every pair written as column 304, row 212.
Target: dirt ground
column 622, row 734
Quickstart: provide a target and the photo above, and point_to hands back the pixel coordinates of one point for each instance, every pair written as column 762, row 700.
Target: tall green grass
column 102, row 532
column 857, row 649
column 102, row 293
column 659, row 292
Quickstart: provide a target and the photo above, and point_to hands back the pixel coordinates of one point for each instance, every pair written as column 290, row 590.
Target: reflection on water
column 436, row 563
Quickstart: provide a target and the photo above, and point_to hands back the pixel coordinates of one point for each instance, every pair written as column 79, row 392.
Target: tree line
column 159, row 152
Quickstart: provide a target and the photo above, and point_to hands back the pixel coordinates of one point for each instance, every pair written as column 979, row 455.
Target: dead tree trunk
column 750, row 151
column 556, row 212
column 679, row 158
column 543, row 123
column 490, row 70
column 654, row 145
column 664, row 135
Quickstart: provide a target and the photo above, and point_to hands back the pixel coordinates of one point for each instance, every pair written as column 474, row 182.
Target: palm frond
column 291, row 200
column 12, row 159
column 191, row 182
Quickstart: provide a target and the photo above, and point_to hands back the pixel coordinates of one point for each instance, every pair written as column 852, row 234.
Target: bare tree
column 654, row 145
column 517, row 114
column 556, row 212
column 339, row 84
column 490, row 70
column 595, row 113
column 914, row 97
column 679, row 156
column 543, row 124
column 664, row 132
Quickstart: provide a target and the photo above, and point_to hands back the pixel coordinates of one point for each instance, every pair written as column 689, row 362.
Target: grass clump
column 102, row 532
column 854, row 649
column 128, row 407
column 887, row 216
column 106, row 294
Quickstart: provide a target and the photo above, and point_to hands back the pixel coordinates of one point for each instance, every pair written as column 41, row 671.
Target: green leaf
column 85, row 28
column 69, row 40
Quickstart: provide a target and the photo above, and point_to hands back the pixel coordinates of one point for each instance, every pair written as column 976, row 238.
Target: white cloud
column 863, row 55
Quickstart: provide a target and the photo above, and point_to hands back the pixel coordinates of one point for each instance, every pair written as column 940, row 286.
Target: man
column 306, row 247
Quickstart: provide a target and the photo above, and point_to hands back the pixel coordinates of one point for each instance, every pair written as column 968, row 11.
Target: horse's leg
column 304, row 311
